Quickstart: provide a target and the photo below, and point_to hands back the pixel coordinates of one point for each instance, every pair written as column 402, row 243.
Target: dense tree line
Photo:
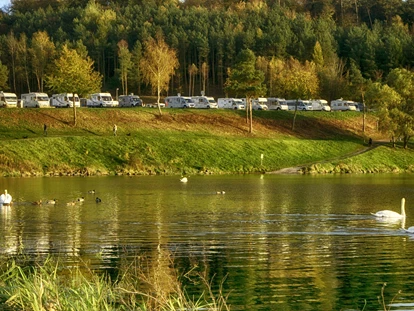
column 344, row 44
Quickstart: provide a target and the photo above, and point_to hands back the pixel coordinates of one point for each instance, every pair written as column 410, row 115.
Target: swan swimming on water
column 387, row 214
column 184, row 179
column 5, row 198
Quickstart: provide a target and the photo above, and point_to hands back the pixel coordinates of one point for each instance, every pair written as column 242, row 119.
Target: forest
column 344, row 42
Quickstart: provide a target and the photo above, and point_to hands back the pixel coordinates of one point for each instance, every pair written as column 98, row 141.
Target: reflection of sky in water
column 296, row 241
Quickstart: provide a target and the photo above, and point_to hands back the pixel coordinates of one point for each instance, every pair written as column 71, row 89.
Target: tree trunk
column 251, row 116
column 294, row 115
column 158, row 99
column 74, row 110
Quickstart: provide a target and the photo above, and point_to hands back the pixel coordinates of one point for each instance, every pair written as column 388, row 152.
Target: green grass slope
column 180, row 141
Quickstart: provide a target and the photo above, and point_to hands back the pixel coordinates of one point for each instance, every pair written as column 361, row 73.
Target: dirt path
column 299, row 169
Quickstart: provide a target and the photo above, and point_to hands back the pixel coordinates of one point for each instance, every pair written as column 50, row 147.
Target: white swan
column 391, row 214
column 5, row 198
column 184, row 179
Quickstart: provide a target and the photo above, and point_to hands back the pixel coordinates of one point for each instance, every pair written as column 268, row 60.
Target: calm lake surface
column 280, row 242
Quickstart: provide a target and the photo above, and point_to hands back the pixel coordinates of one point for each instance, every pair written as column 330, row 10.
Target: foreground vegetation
column 189, row 142
column 47, row 284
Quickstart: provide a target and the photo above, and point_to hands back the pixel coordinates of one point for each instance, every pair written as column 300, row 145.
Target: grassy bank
column 178, row 142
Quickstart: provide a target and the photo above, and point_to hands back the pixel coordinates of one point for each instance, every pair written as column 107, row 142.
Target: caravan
column 8, row 100
column 101, row 100
column 205, row 102
column 277, row 104
column 179, row 102
column 130, row 101
column 343, row 105
column 320, row 105
column 64, row 100
column 259, row 104
column 231, row 103
column 35, row 100
column 299, row 104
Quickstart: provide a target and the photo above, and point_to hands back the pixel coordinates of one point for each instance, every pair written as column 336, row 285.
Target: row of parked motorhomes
column 41, row 100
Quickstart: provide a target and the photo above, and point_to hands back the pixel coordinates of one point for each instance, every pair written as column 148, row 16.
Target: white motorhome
column 259, row 104
column 179, row 102
column 303, row 105
column 320, row 105
column 64, row 100
column 101, row 100
column 274, row 103
column 343, row 105
column 130, row 101
column 35, row 100
column 231, row 103
column 205, row 102
column 8, row 100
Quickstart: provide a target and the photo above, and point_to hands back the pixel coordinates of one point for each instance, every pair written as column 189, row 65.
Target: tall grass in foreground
column 50, row 286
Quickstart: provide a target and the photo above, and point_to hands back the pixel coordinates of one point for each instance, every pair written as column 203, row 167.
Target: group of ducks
column 392, row 216
column 71, row 203
column 7, row 200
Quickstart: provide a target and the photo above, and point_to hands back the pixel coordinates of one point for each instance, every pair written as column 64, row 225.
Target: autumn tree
column 125, row 64
column 73, row 73
column 296, row 80
column 246, row 80
column 42, row 51
column 402, row 81
column 158, row 64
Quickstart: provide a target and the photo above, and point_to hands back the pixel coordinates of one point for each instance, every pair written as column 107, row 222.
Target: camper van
column 231, row 103
column 130, row 101
column 303, row 105
column 277, row 104
column 179, row 102
column 64, row 100
column 205, row 102
column 343, row 105
column 8, row 100
column 35, row 100
column 101, row 100
column 320, row 105
column 259, row 104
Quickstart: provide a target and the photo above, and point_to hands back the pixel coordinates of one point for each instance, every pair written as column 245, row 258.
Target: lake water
column 281, row 242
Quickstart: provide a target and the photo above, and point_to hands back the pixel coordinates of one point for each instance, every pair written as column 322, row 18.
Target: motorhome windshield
column 11, row 98
column 189, row 100
column 211, row 100
column 42, row 98
column 135, row 99
column 107, row 98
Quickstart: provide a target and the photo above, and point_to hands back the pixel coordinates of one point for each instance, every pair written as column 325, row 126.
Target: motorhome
column 299, row 104
column 130, row 100
column 320, row 105
column 205, row 102
column 231, row 103
column 179, row 102
column 274, row 103
column 343, row 105
column 8, row 100
column 259, row 104
column 35, row 100
column 101, row 100
column 64, row 100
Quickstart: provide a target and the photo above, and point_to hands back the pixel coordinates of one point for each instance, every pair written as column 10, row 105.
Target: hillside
column 177, row 142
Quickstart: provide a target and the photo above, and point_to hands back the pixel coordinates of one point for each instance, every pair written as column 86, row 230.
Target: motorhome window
column 189, row 100
column 106, row 98
column 11, row 98
column 42, row 98
column 211, row 101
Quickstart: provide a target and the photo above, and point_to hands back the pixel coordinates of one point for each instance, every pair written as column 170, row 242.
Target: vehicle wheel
column 68, row 106
column 101, row 105
column 278, row 108
column 37, row 106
